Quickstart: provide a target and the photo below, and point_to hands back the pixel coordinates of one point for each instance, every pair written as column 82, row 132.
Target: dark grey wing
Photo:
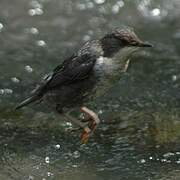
column 77, row 68
column 72, row 69
column 41, row 87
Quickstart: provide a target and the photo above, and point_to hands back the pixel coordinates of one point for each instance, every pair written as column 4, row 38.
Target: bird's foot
column 88, row 126
column 93, row 121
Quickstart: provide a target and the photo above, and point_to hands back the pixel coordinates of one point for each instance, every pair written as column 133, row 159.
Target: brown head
column 121, row 38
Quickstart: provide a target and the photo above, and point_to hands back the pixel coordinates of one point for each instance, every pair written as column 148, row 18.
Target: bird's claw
column 85, row 135
column 93, row 122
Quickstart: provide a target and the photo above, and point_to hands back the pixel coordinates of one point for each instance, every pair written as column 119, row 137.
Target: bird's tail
column 28, row 101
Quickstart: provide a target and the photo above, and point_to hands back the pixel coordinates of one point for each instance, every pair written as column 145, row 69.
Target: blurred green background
column 140, row 130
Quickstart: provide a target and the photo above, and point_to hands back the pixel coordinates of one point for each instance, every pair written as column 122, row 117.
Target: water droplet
column 1, row 91
column 29, row 69
column 142, row 161
column 37, row 167
column 49, row 174
column 150, row 158
column 120, row 3
column 39, row 11
column 155, row 12
column 115, row 9
column 1, row 26
column 76, row 154
column 100, row 112
column 174, row 78
column 41, row 43
column 157, row 146
column 163, row 160
column 178, row 162
column 69, row 124
column 8, row 91
column 168, row 154
column 99, row 1
column 36, row 11
column 34, row 30
column 15, row 80
column 57, row 146
column 32, row 12
column 47, row 160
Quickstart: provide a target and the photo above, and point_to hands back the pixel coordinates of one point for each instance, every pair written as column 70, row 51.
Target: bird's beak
column 144, row 44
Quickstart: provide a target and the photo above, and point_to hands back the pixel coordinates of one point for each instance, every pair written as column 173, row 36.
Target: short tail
column 28, row 101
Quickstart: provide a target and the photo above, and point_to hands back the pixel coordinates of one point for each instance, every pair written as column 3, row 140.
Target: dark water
column 140, row 130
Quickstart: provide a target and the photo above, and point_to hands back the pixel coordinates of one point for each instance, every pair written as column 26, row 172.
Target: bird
column 85, row 75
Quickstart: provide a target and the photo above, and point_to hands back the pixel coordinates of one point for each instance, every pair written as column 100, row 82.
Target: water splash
column 41, row 43
column 6, row 91
column 156, row 12
column 15, row 80
column 28, row 68
column 36, row 11
column 47, row 160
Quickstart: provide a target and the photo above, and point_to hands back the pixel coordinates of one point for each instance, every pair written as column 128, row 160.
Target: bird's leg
column 93, row 122
column 88, row 127
column 68, row 117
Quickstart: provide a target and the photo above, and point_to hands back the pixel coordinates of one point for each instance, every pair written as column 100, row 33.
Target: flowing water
column 138, row 137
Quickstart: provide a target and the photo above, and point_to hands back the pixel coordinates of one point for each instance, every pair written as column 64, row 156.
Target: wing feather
column 78, row 69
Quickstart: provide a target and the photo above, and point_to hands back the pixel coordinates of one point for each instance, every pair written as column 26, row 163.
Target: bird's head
column 121, row 38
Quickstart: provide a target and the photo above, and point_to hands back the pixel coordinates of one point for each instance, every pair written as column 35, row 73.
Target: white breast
column 103, row 61
column 109, row 67
column 104, row 64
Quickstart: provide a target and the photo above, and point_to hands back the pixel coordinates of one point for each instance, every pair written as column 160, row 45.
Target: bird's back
column 67, row 75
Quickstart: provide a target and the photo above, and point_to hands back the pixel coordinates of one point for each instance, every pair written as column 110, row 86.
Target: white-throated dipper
column 87, row 74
